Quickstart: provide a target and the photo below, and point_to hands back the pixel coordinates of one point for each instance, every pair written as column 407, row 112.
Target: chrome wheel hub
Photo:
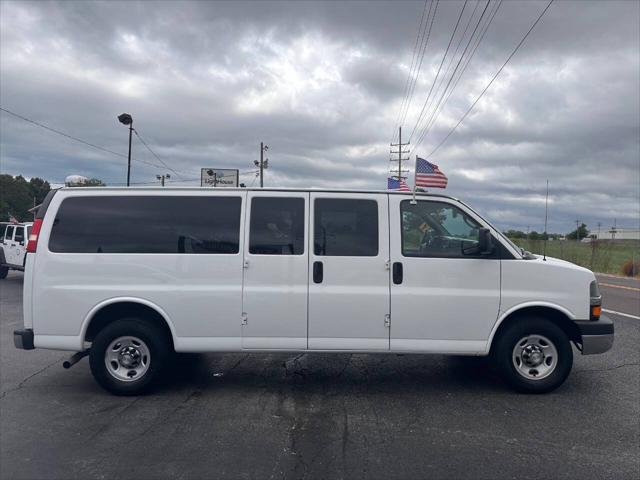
column 535, row 357
column 127, row 358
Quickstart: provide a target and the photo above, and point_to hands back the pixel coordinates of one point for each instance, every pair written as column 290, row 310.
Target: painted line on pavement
column 624, row 287
column 623, row 277
column 621, row 314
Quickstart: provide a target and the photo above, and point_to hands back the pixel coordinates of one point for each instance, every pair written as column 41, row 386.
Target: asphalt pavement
column 322, row 416
column 620, row 294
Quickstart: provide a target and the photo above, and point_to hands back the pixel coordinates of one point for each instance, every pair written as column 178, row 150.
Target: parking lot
column 322, row 416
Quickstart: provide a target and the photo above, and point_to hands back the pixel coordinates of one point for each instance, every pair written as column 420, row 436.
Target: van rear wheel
column 533, row 355
column 129, row 356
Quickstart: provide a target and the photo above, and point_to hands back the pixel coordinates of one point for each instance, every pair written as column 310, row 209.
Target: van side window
column 277, row 226
column 147, row 224
column 436, row 229
column 345, row 227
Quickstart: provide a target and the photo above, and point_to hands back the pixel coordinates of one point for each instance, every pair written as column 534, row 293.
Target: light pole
column 127, row 119
column 162, row 178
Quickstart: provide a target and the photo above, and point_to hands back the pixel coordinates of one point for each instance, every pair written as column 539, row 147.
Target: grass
column 602, row 256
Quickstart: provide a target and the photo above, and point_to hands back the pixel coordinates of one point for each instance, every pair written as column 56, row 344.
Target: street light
column 127, row 119
column 162, row 177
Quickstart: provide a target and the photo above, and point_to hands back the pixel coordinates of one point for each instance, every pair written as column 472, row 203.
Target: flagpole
column 413, row 200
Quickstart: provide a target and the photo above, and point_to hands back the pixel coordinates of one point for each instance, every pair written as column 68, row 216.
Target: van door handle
column 318, row 272
column 397, row 273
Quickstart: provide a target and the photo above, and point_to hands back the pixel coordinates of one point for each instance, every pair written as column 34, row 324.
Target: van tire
column 524, row 339
column 4, row 271
column 145, row 340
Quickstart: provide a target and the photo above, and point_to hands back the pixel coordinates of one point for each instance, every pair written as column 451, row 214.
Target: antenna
column 546, row 236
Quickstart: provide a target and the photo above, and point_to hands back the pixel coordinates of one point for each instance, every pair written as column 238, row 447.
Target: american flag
column 429, row 175
column 395, row 184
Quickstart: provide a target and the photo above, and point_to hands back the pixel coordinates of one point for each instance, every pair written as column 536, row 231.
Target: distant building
column 619, row 234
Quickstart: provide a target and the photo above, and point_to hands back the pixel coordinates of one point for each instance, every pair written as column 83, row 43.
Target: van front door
column 348, row 275
column 275, row 285
column 444, row 296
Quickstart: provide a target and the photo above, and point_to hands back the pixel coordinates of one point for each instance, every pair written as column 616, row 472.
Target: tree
column 95, row 182
column 39, row 189
column 515, row 234
column 578, row 234
column 17, row 196
column 91, row 182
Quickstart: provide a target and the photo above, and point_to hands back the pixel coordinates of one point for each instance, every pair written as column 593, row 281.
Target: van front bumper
column 597, row 335
column 23, row 339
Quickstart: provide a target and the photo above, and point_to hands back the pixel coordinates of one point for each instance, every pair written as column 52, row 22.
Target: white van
column 131, row 275
column 13, row 250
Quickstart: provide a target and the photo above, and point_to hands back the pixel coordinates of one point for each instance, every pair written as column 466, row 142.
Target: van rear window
column 147, row 224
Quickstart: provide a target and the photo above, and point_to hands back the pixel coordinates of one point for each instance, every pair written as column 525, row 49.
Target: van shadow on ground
column 335, row 372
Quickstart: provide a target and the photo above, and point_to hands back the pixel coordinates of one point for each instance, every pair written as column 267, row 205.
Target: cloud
column 321, row 83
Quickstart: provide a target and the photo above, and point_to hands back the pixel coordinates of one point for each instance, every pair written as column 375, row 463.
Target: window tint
column 435, row 229
column 345, row 227
column 277, row 226
column 141, row 224
column 8, row 235
column 19, row 235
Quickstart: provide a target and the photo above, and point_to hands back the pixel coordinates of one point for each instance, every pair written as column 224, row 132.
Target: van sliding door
column 275, row 274
column 348, row 276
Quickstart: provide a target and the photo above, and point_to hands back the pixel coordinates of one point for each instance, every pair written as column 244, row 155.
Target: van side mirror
column 484, row 246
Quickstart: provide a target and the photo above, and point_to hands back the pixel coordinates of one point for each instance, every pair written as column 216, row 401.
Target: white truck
column 128, row 276
column 13, row 248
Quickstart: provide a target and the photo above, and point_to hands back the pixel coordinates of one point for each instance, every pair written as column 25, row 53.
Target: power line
column 41, row 125
column 464, row 34
column 413, row 58
column 254, row 180
column 154, row 153
column 455, row 29
column 430, row 121
column 61, row 133
column 492, row 80
column 464, row 68
column 478, row 42
column 417, row 71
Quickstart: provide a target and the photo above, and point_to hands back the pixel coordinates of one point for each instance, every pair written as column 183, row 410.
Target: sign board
column 218, row 177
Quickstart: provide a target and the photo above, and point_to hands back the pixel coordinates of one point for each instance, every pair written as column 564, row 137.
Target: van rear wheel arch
column 114, row 311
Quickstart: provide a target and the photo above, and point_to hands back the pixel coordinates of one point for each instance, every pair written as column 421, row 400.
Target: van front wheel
column 533, row 355
column 128, row 356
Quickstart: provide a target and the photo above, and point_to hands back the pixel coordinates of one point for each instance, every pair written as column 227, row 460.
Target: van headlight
column 595, row 301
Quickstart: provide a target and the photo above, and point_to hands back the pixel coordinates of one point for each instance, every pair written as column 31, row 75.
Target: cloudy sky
column 323, row 85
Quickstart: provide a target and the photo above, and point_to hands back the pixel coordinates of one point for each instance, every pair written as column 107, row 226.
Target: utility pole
column 578, row 230
column 398, row 173
column 613, row 230
column 162, row 178
column 262, row 164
